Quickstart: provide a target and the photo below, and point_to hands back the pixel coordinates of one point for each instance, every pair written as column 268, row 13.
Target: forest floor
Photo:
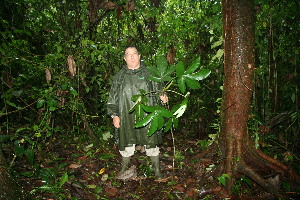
column 70, row 171
column 91, row 174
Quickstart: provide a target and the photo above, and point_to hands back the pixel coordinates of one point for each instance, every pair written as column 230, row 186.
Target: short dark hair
column 131, row 46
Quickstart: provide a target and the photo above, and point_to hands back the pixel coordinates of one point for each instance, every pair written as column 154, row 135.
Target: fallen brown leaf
column 74, row 166
column 111, row 191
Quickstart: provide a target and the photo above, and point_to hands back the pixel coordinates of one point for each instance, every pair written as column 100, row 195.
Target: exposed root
column 221, row 192
column 258, row 179
column 279, row 167
column 252, row 163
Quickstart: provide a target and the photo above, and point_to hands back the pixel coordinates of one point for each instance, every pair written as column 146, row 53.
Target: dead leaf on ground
column 169, row 148
column 111, row 191
column 191, row 192
column 74, row 166
column 190, row 180
column 179, row 188
column 82, row 158
column 163, row 180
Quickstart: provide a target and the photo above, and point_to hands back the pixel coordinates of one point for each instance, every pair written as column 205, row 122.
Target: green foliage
column 164, row 73
column 40, row 35
column 189, row 77
column 222, row 179
column 241, row 186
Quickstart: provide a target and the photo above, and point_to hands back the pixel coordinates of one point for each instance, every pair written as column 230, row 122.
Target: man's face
column 132, row 58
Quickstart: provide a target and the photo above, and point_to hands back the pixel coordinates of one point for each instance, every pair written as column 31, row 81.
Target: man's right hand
column 116, row 121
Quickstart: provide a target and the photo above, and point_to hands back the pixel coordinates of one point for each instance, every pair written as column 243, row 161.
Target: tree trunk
column 238, row 25
column 9, row 190
column 239, row 155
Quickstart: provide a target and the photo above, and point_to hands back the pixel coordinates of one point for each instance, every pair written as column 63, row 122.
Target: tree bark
column 238, row 25
column 238, row 151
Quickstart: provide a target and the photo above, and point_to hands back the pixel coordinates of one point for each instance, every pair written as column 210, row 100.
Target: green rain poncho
column 127, row 83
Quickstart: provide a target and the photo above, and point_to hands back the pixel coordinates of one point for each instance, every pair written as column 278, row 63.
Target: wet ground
column 71, row 172
column 79, row 170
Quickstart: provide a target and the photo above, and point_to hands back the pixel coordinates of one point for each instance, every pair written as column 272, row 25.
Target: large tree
column 239, row 155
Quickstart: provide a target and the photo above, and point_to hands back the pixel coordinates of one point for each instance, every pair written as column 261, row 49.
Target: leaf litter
column 94, row 177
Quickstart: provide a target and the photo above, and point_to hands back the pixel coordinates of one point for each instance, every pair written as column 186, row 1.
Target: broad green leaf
column 170, row 70
column 153, row 126
column 35, row 127
column 200, row 75
column 161, row 122
column 168, row 125
column 217, row 43
column 19, row 148
column 30, row 155
column 63, row 179
column 143, row 92
column 155, row 79
column 137, row 98
column 166, row 75
column 193, row 67
column 138, row 111
column 153, row 70
column 181, row 109
column 145, row 121
column 144, row 99
column 179, row 69
column 191, row 83
column 73, row 92
column 52, row 108
column 166, row 78
column 222, row 179
column 219, row 54
column 11, row 104
column 149, row 108
column 181, row 84
column 64, row 86
column 175, row 122
column 162, row 64
column 165, row 113
column 162, row 72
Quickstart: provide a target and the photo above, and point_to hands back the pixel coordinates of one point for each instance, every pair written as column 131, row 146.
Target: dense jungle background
column 57, row 61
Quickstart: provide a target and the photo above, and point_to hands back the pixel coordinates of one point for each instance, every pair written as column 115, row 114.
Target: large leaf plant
column 171, row 76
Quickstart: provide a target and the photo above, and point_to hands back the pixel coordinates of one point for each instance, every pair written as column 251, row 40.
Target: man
column 128, row 82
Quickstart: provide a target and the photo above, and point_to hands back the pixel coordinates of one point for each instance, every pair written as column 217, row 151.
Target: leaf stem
column 176, row 93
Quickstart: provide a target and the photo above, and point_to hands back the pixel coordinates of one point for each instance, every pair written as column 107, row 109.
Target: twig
column 174, row 153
